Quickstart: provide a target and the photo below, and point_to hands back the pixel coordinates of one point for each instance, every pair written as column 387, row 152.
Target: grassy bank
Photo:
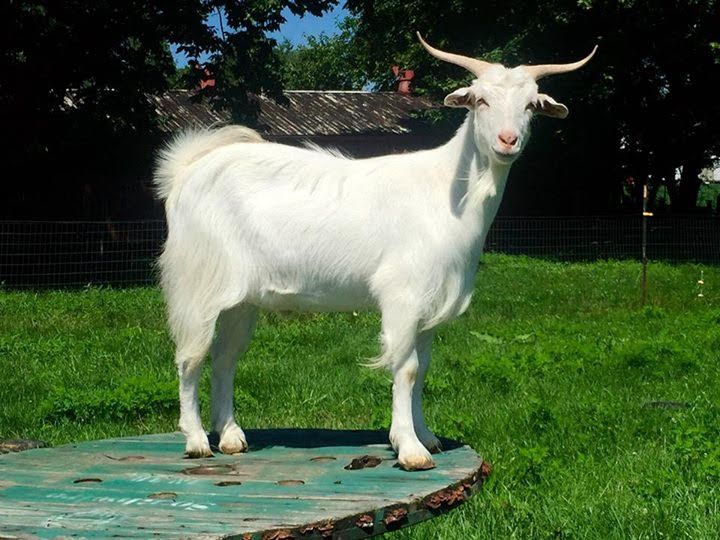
column 601, row 418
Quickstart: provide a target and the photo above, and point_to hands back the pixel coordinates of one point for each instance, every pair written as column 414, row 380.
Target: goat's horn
column 473, row 65
column 543, row 70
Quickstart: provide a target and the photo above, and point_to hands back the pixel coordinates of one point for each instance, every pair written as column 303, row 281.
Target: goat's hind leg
column 192, row 346
column 234, row 330
column 429, row 441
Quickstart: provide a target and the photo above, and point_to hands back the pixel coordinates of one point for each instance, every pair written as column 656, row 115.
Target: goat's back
column 287, row 227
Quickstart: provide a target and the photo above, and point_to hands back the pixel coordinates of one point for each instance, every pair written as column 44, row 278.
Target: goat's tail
column 188, row 147
column 395, row 348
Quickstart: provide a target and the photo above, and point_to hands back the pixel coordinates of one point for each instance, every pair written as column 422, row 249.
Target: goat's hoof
column 233, row 448
column 233, row 442
column 416, row 462
column 434, row 448
column 198, row 447
column 432, row 443
column 416, row 458
column 197, row 453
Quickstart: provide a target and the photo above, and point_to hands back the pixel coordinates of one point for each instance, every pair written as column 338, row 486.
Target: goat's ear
column 462, row 97
column 547, row 106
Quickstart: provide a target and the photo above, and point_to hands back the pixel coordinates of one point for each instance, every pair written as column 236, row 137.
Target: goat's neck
column 476, row 182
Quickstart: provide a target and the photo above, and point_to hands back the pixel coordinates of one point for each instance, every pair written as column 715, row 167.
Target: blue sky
column 295, row 29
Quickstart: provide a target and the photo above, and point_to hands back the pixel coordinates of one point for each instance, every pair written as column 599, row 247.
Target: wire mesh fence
column 669, row 238
column 75, row 254
column 36, row 255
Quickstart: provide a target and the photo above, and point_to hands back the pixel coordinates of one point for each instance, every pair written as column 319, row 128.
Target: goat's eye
column 481, row 102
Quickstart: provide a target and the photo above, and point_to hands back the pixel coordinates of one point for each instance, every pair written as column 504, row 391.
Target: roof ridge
column 338, row 92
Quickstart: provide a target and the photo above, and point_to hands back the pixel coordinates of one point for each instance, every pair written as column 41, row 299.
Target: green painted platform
column 292, row 484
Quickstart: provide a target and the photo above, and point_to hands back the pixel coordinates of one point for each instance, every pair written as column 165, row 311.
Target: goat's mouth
column 506, row 156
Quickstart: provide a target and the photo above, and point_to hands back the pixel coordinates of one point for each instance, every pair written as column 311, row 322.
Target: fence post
column 645, row 216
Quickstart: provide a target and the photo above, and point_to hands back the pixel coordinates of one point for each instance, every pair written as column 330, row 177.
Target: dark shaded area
column 75, row 77
column 76, row 86
column 319, row 438
column 82, row 84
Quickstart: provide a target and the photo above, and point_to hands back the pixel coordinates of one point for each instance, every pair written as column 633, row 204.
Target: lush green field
column 601, row 418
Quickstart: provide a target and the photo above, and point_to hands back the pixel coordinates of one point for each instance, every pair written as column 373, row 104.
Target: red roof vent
column 403, row 78
column 207, row 79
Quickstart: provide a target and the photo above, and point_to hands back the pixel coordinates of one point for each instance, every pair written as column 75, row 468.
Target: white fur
column 255, row 224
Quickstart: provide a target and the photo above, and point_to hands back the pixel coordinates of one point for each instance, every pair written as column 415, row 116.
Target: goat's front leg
column 412, row 454
column 399, row 335
column 429, row 441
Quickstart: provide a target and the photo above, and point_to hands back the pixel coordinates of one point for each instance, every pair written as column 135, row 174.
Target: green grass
column 601, row 418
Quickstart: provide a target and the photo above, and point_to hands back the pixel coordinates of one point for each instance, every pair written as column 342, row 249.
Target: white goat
column 253, row 224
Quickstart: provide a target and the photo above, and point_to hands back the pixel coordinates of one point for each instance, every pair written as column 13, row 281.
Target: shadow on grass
column 318, row 438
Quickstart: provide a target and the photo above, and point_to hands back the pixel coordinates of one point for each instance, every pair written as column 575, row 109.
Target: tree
column 76, row 76
column 324, row 62
column 646, row 107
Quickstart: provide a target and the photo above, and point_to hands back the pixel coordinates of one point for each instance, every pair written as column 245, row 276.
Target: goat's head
column 504, row 101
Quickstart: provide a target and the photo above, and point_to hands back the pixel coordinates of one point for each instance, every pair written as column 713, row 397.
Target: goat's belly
column 327, row 299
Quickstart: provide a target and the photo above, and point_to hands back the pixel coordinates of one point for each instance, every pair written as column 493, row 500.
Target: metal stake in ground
column 645, row 217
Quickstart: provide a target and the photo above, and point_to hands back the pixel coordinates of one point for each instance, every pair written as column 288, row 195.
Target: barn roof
column 305, row 113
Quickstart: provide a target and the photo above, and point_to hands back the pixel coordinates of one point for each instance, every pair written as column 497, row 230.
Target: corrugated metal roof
column 177, row 111
column 306, row 113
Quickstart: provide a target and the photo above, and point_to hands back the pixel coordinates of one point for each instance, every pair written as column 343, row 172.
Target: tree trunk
column 686, row 194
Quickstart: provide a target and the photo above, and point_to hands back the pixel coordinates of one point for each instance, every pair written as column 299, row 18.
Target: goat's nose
column 508, row 137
